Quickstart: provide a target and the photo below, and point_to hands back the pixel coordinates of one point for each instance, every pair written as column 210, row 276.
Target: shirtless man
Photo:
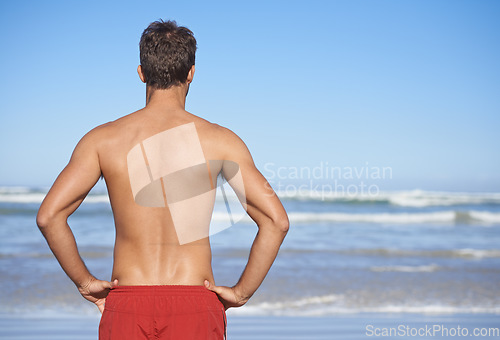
column 160, row 165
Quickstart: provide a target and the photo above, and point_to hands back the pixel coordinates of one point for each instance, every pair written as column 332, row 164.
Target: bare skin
column 147, row 251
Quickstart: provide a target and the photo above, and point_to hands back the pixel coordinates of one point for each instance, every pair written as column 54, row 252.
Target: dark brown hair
column 167, row 53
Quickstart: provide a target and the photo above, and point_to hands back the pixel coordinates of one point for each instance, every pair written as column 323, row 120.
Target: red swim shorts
column 162, row 312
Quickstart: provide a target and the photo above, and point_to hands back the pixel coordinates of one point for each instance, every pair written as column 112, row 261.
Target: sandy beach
column 351, row 326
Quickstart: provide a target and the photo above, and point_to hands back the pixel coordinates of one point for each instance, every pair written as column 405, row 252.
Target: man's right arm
column 265, row 208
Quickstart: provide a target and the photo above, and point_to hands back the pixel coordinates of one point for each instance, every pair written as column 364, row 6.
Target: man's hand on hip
column 227, row 295
column 96, row 291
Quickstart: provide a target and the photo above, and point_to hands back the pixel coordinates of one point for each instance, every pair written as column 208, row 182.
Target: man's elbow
column 44, row 218
column 282, row 223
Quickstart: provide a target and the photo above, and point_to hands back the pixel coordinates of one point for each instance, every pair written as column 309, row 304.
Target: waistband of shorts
column 162, row 290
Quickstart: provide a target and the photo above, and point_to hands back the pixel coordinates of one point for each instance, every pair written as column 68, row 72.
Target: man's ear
column 190, row 75
column 141, row 75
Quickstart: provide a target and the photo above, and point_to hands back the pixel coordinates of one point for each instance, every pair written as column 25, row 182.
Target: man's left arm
column 67, row 193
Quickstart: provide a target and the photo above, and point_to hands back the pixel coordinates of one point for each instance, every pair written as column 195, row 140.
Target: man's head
column 167, row 54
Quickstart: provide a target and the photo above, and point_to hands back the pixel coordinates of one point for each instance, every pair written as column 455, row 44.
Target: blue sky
column 411, row 85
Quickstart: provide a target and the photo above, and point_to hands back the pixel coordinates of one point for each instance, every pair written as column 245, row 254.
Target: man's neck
column 172, row 98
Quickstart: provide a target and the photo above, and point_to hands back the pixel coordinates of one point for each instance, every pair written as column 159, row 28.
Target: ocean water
column 400, row 251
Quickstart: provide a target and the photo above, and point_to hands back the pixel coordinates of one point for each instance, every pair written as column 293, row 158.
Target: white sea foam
column 406, row 269
column 441, row 216
column 414, row 309
column 338, row 304
column 263, row 309
column 415, row 198
column 420, row 198
column 311, row 217
column 33, row 197
column 410, row 198
column 97, row 199
column 14, row 190
column 293, row 307
column 446, row 216
column 485, row 216
column 478, row 253
column 300, row 303
column 446, row 253
column 334, row 304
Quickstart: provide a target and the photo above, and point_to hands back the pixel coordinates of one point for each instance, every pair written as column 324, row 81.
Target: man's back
column 148, row 249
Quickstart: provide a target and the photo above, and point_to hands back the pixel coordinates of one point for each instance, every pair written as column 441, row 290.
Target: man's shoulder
column 223, row 139
column 103, row 134
column 225, row 136
column 99, row 132
column 119, row 127
column 221, row 133
column 231, row 145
